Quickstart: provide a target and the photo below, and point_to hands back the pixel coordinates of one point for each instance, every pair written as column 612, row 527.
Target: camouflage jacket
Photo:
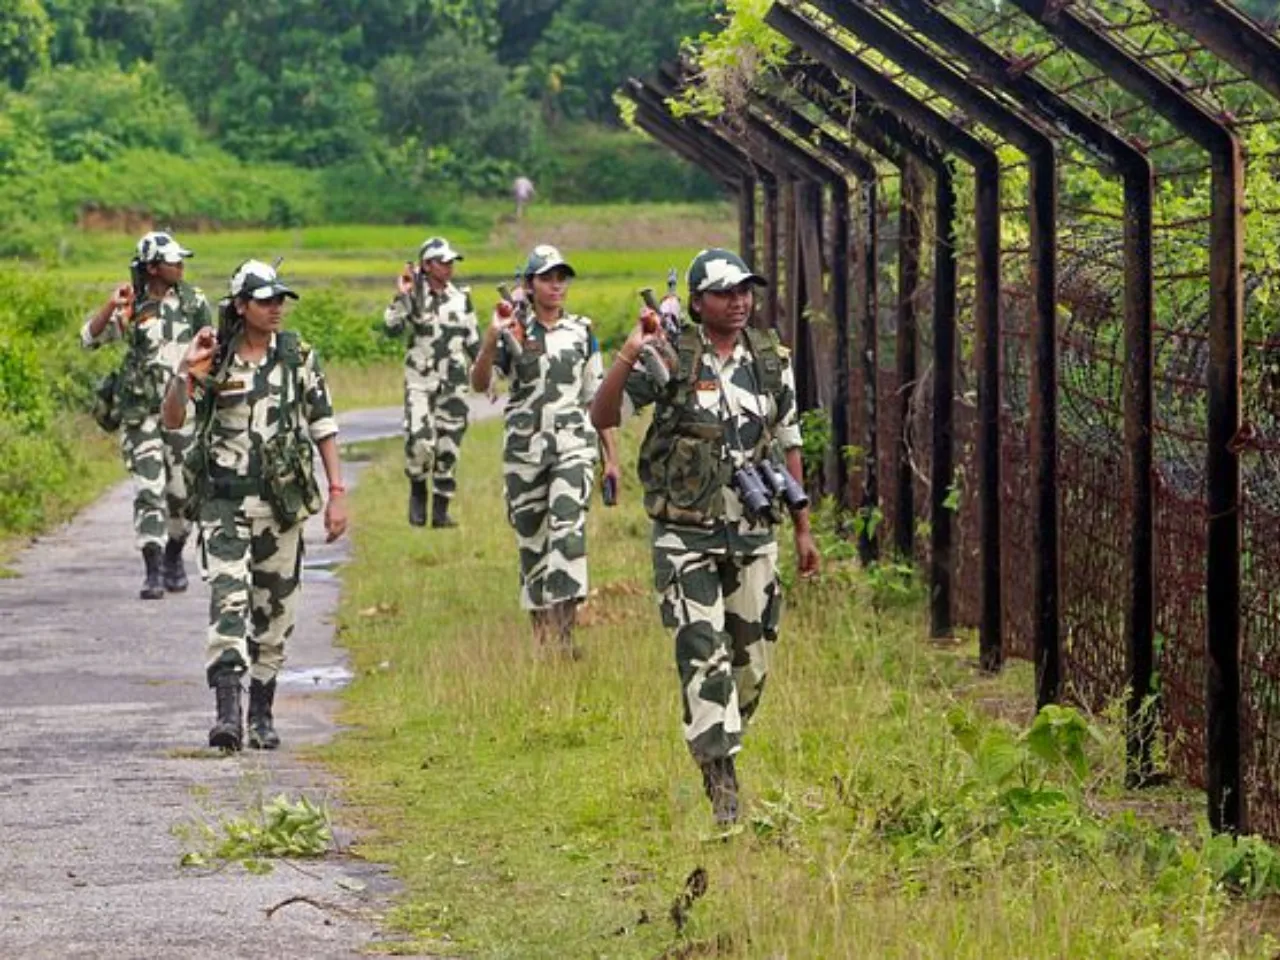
column 552, row 385
column 729, row 391
column 443, row 337
column 247, row 412
column 155, row 345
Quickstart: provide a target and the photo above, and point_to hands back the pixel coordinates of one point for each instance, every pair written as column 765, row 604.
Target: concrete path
column 104, row 715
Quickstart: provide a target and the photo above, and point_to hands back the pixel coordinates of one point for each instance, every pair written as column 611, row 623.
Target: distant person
column 442, row 345
column 261, row 407
column 156, row 315
column 523, row 191
column 552, row 360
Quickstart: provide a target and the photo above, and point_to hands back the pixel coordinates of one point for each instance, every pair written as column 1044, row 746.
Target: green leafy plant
column 281, row 828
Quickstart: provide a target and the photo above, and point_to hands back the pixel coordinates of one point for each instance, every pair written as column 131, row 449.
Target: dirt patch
column 98, row 219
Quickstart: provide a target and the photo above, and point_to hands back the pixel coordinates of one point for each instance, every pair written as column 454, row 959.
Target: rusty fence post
column 1222, row 688
column 812, row 38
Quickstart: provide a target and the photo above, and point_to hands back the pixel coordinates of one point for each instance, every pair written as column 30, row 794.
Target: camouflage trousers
column 547, row 505
column 153, row 457
column 724, row 609
column 253, row 570
column 435, row 420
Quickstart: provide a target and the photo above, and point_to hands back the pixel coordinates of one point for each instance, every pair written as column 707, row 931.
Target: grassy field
column 538, row 808
column 616, row 250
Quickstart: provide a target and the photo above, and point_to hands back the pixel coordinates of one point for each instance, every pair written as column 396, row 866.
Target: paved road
column 103, row 714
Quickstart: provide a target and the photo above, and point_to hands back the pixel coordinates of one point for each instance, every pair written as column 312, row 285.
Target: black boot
column 153, row 586
column 175, row 571
column 720, row 781
column 418, row 503
column 262, row 732
column 228, row 731
column 440, row 512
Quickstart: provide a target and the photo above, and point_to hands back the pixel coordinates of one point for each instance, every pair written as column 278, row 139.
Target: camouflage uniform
column 549, row 456
column 251, row 563
column 443, row 343
column 152, row 454
column 718, row 580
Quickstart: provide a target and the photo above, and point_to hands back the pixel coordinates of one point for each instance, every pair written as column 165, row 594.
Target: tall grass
column 540, row 808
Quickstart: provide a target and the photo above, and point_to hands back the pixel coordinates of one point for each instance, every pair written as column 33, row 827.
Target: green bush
column 326, row 320
column 45, row 377
column 593, row 165
column 99, row 111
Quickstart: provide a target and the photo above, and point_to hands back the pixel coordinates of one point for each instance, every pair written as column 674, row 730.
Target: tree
column 457, row 94
column 25, row 32
column 590, row 47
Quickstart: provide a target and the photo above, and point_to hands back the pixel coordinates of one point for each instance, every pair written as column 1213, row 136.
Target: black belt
column 236, row 488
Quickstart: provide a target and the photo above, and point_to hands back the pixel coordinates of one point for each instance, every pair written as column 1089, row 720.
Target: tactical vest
column 684, row 458
column 287, row 481
column 140, row 387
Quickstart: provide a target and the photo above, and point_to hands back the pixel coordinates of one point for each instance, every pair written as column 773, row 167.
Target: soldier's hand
column 808, row 560
column 505, row 319
column 648, row 330
column 199, row 356
column 335, row 517
column 405, row 282
column 123, row 297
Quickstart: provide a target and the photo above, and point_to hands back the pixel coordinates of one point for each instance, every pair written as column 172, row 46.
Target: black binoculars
column 759, row 486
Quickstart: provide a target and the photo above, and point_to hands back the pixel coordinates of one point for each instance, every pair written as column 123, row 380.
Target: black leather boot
column 418, row 503
column 720, row 781
column 228, row 729
column 440, row 512
column 153, row 585
column 175, row 571
column 262, row 731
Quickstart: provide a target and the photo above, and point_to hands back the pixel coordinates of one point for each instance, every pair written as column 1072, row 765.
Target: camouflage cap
column 544, row 259
column 258, row 281
column 437, row 248
column 717, row 269
column 160, row 247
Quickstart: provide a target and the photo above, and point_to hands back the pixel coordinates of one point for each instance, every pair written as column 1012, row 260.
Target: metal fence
column 1023, row 267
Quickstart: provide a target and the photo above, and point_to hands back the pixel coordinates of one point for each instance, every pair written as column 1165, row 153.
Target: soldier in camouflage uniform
column 443, row 343
column 549, row 451
column 730, row 402
column 156, row 316
column 260, row 400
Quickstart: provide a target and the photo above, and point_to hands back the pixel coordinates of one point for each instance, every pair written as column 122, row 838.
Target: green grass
column 98, row 465
column 536, row 808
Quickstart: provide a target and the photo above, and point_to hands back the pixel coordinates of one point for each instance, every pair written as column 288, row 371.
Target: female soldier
column 261, row 402
column 443, row 342
column 727, row 409
column 156, row 314
column 549, row 451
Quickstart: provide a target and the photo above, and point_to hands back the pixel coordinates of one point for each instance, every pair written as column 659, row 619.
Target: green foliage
column 279, row 829
column 590, row 46
column 43, row 377
column 815, row 431
column 25, row 32
column 96, row 112
column 592, row 165
column 123, row 31
column 326, row 320
column 456, row 93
